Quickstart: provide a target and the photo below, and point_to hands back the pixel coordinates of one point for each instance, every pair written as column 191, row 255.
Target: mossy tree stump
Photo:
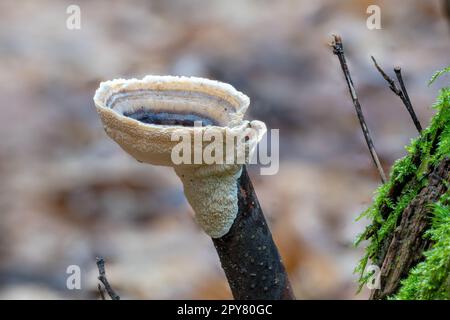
column 409, row 237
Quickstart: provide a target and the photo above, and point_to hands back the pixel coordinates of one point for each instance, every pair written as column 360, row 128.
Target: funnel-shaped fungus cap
column 144, row 116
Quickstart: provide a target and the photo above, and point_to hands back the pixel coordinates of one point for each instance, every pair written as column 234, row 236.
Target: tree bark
column 248, row 253
column 404, row 248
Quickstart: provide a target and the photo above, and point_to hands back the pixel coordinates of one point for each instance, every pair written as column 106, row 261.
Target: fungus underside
column 170, row 118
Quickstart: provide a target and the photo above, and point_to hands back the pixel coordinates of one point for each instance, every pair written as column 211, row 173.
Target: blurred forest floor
column 68, row 193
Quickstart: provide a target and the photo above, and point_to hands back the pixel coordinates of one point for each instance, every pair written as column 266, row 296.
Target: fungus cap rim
column 163, row 83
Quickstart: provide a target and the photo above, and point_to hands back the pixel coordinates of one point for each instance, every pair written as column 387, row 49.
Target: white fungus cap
column 211, row 189
column 151, row 143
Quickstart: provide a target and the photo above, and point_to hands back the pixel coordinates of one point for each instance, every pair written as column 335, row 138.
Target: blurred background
column 68, row 193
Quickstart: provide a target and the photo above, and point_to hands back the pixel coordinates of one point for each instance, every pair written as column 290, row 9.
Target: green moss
column 430, row 279
column 407, row 178
column 438, row 74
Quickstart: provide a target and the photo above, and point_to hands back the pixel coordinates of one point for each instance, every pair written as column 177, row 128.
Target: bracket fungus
column 148, row 117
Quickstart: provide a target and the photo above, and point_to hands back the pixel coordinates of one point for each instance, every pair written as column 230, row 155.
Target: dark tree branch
column 338, row 49
column 401, row 93
column 248, row 253
column 104, row 280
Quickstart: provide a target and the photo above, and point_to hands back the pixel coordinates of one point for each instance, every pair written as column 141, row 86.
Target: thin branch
column 409, row 107
column 100, row 290
column 401, row 93
column 338, row 49
column 388, row 79
column 104, row 280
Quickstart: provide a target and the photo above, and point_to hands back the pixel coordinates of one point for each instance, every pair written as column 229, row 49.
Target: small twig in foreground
column 338, row 49
column 401, row 93
column 104, row 280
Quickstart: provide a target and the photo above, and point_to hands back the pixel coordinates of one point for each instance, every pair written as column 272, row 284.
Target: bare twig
column 100, row 290
column 104, row 280
column 388, row 79
column 409, row 107
column 401, row 93
column 338, row 49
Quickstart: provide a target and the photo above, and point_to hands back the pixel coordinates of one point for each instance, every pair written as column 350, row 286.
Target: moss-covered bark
column 409, row 237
